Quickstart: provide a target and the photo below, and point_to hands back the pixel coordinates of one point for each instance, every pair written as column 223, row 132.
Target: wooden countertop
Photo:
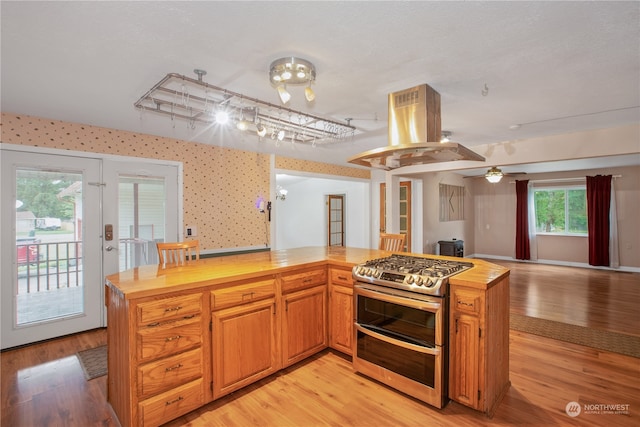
column 152, row 280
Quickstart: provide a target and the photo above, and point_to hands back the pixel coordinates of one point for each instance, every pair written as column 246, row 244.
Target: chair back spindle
column 178, row 253
column 392, row 242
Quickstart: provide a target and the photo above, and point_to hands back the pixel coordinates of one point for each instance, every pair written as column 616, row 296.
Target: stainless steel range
column 401, row 323
column 427, row 276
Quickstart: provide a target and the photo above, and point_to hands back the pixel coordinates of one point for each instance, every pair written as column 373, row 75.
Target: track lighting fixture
column 261, row 130
column 285, row 96
column 183, row 98
column 222, row 117
column 292, row 71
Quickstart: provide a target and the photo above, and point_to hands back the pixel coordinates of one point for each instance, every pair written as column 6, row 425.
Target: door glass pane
column 141, row 207
column 48, row 245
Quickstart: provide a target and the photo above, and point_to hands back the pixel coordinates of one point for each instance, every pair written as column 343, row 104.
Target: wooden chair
column 392, row 242
column 178, row 253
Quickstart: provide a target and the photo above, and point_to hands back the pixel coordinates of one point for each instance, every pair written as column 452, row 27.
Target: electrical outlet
column 191, row 231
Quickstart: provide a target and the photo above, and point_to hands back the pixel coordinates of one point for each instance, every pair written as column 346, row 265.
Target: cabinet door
column 465, row 359
column 304, row 330
column 244, row 345
column 341, row 318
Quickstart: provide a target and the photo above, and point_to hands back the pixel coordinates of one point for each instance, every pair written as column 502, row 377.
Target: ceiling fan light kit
column 494, row 175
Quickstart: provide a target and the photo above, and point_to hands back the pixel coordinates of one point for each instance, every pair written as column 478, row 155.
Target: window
column 561, row 210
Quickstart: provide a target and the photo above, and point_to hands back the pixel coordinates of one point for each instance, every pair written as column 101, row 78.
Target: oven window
column 398, row 321
column 411, row 364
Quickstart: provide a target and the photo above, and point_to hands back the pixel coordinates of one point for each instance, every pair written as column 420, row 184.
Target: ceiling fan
column 495, row 174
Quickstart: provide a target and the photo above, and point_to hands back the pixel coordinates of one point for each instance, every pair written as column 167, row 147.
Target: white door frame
column 7, row 235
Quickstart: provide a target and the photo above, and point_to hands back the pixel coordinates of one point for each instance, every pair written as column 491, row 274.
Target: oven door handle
column 413, row 303
column 404, row 344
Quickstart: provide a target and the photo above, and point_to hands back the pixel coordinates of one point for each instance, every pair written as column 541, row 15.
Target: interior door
column 141, row 208
column 50, row 247
column 335, row 214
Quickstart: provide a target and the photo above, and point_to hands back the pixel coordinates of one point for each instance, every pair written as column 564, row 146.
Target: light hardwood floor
column 43, row 384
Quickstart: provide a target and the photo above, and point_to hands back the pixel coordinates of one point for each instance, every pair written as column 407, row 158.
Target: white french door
column 142, row 208
column 54, row 251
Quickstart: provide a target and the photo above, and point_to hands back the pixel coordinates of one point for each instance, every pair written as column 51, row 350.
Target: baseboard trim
column 555, row 262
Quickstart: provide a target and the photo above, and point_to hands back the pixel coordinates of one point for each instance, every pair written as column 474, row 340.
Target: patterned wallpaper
column 322, row 168
column 221, row 185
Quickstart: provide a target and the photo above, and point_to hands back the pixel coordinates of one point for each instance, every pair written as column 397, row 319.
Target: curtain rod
column 535, row 181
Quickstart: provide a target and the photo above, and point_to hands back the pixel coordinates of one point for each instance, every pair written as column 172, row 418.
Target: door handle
column 109, row 248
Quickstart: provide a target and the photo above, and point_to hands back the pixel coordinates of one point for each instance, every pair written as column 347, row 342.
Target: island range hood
column 414, row 134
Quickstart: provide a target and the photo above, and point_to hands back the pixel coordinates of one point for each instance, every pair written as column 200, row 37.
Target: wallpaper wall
column 221, row 185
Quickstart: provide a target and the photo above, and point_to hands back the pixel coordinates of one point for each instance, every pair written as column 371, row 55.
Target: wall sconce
column 281, row 193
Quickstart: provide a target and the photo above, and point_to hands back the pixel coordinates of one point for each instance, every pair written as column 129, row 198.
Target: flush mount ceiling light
column 292, row 71
column 183, row 98
column 494, row 175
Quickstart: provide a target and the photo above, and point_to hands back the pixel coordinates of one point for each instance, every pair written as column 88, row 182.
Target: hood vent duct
column 414, row 134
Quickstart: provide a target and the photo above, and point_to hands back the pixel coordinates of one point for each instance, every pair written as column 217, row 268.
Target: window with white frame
column 561, row 210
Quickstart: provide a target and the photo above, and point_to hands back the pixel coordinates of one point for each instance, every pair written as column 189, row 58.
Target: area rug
column 594, row 338
column 93, row 362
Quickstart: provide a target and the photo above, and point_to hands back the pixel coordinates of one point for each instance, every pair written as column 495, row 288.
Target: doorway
column 405, row 211
column 54, row 251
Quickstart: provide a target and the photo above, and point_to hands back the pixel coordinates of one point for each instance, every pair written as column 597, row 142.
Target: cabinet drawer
column 165, row 374
column 467, row 301
column 240, row 294
column 304, row 279
column 169, row 308
column 172, row 404
column 341, row 277
column 168, row 339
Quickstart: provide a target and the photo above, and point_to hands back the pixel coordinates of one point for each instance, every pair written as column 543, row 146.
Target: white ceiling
column 553, row 67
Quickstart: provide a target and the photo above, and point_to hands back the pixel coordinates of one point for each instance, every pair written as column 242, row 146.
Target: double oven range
column 401, row 323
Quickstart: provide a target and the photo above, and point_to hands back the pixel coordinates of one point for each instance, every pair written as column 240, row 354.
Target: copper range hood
column 414, row 134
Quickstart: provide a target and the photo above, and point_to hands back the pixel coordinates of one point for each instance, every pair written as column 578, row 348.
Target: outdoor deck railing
column 55, row 265
column 48, row 266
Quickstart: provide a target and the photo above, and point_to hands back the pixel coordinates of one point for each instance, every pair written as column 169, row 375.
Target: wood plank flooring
column 43, row 384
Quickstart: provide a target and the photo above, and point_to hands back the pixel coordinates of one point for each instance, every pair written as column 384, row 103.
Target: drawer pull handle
column 171, row 402
column 250, row 295
column 152, row 325
column 177, row 337
column 308, row 280
column 468, row 304
column 342, row 278
column 173, row 368
column 166, row 310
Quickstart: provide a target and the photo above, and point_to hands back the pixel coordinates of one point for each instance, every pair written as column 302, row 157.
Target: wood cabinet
column 164, row 357
column 341, row 310
column 479, row 345
column 304, row 318
column 244, row 335
column 180, row 338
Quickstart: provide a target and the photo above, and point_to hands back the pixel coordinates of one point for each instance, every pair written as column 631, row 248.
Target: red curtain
column 522, row 220
column 598, row 204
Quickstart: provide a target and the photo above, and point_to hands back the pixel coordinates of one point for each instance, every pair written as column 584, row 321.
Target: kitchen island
column 181, row 337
